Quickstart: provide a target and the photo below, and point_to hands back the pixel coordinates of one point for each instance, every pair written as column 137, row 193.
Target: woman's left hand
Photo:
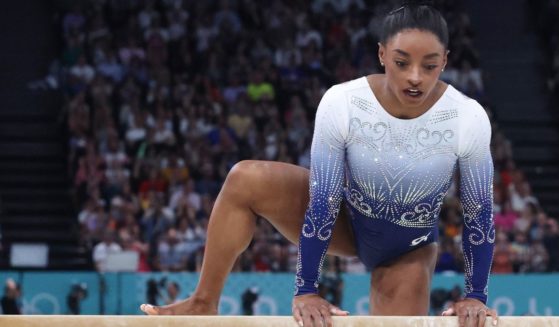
column 471, row 312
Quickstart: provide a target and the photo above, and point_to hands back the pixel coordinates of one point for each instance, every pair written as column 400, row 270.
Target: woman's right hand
column 311, row 310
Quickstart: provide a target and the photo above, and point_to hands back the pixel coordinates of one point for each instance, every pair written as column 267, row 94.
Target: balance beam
column 254, row 321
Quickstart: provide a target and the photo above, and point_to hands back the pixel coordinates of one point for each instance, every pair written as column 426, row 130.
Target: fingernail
column 494, row 322
column 301, row 323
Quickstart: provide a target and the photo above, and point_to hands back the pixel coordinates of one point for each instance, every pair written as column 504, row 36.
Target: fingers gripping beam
column 254, row 321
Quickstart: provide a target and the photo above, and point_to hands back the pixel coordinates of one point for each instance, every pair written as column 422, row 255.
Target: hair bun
column 418, row 3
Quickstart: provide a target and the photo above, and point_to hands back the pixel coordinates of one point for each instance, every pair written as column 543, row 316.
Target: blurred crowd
column 164, row 97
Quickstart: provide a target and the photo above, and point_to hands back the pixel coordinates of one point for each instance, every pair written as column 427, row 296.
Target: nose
column 414, row 77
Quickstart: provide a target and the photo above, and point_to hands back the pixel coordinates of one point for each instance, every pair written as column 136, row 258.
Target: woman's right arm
column 326, row 192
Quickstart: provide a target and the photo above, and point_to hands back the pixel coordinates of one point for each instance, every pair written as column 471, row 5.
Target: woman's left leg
column 402, row 286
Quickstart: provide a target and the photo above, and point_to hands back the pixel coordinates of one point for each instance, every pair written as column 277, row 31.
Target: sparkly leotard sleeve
column 476, row 196
column 326, row 190
column 394, row 174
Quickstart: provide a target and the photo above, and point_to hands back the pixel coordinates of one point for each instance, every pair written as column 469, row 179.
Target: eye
column 430, row 67
column 400, row 63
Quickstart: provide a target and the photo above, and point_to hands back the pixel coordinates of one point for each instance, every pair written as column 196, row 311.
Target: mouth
column 413, row 92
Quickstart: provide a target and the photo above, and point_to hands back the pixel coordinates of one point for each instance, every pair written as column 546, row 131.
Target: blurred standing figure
column 249, row 297
column 102, row 250
column 77, row 294
column 10, row 301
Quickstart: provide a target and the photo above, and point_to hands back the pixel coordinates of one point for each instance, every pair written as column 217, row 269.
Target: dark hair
column 415, row 15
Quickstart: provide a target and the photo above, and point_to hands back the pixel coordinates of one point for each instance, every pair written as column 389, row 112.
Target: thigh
column 403, row 285
column 281, row 196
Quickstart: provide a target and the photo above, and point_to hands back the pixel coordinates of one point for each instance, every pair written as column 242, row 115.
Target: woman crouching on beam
column 386, row 145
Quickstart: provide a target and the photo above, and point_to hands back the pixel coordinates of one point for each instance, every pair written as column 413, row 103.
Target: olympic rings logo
column 41, row 303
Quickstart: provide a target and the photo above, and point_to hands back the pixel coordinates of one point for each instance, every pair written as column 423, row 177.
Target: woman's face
column 413, row 61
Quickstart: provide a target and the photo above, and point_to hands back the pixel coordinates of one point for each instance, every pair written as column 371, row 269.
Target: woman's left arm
column 476, row 196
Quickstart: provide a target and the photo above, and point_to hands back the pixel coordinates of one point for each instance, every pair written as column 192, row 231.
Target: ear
column 381, row 53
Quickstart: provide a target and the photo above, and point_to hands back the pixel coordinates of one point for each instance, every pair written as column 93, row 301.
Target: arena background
column 119, row 121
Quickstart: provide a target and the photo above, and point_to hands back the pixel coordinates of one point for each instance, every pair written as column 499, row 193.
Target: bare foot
column 190, row 306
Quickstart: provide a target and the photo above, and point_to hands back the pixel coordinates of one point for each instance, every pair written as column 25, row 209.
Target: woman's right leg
column 278, row 192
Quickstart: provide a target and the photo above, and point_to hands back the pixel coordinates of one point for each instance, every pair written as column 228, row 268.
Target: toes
column 149, row 309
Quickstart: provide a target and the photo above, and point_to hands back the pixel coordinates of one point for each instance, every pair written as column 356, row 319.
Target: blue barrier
column 46, row 292
column 122, row 293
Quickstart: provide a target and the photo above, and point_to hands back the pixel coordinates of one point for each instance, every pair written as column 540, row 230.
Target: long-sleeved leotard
column 394, row 175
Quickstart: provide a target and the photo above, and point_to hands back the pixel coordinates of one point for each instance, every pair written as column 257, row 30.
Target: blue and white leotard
column 394, row 175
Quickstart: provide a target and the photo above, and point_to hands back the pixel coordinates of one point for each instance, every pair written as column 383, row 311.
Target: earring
column 382, row 63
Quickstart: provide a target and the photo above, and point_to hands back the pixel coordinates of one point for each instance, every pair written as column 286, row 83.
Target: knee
column 243, row 174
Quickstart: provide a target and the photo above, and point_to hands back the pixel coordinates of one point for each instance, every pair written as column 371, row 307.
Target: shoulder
column 474, row 127
column 469, row 110
column 334, row 110
column 342, row 89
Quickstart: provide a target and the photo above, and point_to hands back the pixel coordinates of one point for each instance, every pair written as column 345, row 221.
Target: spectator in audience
column 193, row 234
column 259, row 89
column 505, row 220
column 538, row 256
column 155, row 183
column 174, row 169
column 520, row 252
column 82, row 71
column 102, row 251
column 521, row 195
column 503, row 255
column 523, row 223
column 11, row 300
column 551, row 243
column 157, row 219
column 92, row 220
column 171, row 253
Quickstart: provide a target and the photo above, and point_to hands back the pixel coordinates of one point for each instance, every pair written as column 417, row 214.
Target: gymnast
column 384, row 151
